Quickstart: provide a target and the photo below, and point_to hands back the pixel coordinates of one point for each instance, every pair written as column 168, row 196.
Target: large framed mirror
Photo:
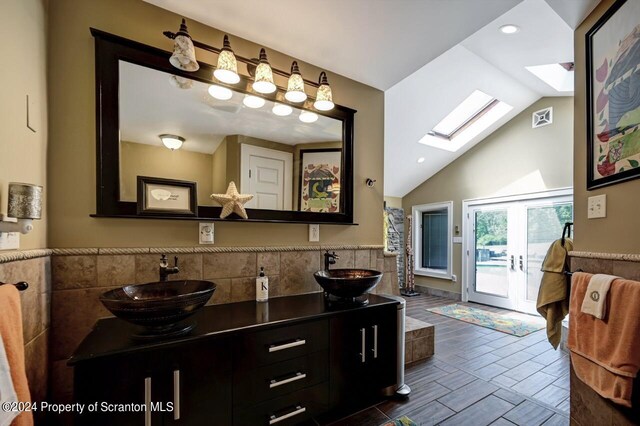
column 157, row 122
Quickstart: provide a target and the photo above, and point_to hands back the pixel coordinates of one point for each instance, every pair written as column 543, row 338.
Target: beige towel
column 606, row 354
column 553, row 296
column 11, row 334
column 595, row 301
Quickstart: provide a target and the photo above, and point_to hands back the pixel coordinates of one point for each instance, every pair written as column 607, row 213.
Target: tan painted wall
column 72, row 136
column 23, row 153
column 619, row 231
column 138, row 159
column 516, row 159
column 219, row 164
column 393, row 202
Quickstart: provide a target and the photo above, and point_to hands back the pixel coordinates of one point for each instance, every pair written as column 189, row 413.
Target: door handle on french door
column 521, row 263
column 513, row 262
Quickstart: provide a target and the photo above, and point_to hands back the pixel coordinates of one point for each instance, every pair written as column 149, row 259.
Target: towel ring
column 22, row 285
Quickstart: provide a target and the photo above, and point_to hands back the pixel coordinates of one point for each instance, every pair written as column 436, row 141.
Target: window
column 474, row 115
column 432, row 235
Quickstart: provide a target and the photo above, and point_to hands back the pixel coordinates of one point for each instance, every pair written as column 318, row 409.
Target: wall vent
column 542, row 117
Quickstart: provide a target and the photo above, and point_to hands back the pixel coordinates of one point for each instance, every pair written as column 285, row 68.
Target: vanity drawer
column 291, row 409
column 271, row 381
column 279, row 344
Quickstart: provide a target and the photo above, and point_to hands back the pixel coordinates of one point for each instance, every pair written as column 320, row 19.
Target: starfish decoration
column 232, row 201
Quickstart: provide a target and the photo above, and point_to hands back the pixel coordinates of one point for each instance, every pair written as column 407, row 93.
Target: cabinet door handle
column 521, row 262
column 297, row 376
column 147, row 401
column 176, row 394
column 297, row 410
column 375, row 341
column 364, row 343
column 297, row 342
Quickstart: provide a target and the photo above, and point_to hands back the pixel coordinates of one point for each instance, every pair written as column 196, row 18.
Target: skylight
column 474, row 115
column 558, row 76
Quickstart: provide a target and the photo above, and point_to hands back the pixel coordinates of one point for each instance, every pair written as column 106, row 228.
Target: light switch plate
column 314, row 232
column 206, row 235
column 9, row 240
column 597, row 206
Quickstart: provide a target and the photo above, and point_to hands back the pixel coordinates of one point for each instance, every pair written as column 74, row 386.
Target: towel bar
column 22, row 285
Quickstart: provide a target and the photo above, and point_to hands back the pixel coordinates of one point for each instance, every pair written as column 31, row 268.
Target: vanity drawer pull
column 298, row 376
column 147, row 401
column 176, row 394
column 363, row 357
column 298, row 410
column 375, row 341
column 297, row 342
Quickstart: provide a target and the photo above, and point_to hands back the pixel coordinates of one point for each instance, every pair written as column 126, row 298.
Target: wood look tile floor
column 478, row 377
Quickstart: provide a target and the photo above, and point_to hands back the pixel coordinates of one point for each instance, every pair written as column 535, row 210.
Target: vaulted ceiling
column 427, row 55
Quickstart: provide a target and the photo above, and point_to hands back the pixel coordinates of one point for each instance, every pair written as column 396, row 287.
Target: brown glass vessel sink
column 348, row 283
column 159, row 307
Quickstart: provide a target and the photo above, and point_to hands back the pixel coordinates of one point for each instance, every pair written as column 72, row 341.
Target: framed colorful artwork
column 613, row 96
column 320, row 180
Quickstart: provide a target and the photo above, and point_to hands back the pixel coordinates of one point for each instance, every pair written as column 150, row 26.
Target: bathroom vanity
column 282, row 362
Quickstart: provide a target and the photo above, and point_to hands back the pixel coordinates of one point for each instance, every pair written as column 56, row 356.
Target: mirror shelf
column 320, row 154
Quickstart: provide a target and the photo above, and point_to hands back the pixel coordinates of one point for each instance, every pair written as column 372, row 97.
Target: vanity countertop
column 112, row 336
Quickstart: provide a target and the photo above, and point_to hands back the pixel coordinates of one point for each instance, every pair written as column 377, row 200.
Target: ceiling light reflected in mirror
column 219, row 92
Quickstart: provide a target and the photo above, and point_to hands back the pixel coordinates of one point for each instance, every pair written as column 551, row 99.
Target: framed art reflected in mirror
column 166, row 197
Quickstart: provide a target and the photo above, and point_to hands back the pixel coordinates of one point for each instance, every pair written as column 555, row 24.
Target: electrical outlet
column 314, row 233
column 206, row 235
column 9, row 240
column 454, row 278
column 597, row 207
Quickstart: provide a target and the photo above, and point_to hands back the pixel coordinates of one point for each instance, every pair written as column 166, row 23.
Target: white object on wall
column 206, row 235
column 314, row 232
column 9, row 240
column 597, row 207
column 542, row 117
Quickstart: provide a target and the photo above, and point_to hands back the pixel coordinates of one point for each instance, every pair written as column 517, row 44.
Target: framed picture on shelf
column 613, row 96
column 320, row 171
column 166, row 197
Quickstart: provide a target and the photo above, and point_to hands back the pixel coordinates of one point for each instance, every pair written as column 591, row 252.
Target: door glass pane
column 544, row 225
column 434, row 239
column 491, row 252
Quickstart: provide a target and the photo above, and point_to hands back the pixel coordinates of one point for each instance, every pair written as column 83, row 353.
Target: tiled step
column 419, row 340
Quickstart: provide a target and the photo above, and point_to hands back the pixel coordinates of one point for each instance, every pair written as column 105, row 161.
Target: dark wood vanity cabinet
column 308, row 361
column 363, row 356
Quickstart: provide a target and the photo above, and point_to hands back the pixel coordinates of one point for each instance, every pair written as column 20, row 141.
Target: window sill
column 427, row 273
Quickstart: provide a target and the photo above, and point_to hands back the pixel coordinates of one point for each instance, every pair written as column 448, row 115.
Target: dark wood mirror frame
column 109, row 50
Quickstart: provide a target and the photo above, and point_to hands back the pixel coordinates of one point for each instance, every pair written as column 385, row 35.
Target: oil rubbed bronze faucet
column 330, row 259
column 165, row 269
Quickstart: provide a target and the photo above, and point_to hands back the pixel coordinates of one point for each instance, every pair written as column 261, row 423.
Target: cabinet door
column 362, row 356
column 199, row 384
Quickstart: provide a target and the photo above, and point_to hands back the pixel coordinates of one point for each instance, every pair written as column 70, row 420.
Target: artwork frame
column 326, row 165
column 181, row 201
column 613, row 109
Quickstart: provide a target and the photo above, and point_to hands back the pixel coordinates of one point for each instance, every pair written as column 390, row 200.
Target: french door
column 507, row 240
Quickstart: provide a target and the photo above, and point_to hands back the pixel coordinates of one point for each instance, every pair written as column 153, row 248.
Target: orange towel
column 11, row 334
column 605, row 354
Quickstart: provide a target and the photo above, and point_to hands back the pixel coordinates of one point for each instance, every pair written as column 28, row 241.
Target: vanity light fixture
column 252, row 101
column 221, row 93
column 184, row 53
column 295, row 85
column 172, row 142
column 281, row 110
column 509, row 29
column 263, row 81
column 308, row 117
column 227, row 69
column 324, row 97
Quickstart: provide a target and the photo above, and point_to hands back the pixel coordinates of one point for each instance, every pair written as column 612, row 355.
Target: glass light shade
column 253, row 101
column 181, row 82
column 263, row 80
column 172, row 142
column 227, row 68
column 308, row 117
column 219, row 92
column 324, row 98
column 281, row 109
column 184, row 54
column 295, row 85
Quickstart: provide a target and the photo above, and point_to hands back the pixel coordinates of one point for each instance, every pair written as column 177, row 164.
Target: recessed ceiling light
column 308, row 117
column 421, row 160
column 253, row 101
column 220, row 92
column 509, row 29
column 281, row 109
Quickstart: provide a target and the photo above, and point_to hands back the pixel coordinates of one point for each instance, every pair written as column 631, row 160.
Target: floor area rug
column 402, row 421
column 513, row 323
